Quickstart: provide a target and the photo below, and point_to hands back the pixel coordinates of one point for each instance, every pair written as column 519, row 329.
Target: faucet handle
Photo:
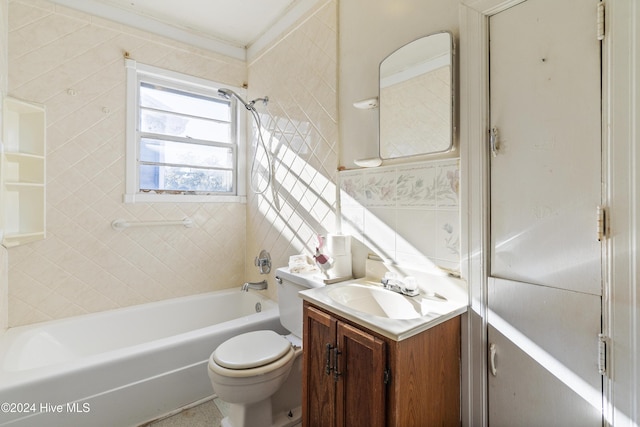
column 410, row 286
column 263, row 262
column 389, row 280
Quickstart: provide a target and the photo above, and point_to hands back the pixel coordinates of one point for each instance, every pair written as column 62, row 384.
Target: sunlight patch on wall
column 407, row 214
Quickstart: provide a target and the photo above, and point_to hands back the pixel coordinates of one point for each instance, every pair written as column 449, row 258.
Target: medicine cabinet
column 23, row 172
column 416, row 98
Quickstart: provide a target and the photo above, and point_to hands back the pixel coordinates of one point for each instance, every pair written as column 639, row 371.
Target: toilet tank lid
column 307, row 280
column 251, row 350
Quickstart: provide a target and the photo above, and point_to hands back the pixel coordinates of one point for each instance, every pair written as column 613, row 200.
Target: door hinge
column 601, row 227
column 387, row 376
column 602, row 354
column 600, row 21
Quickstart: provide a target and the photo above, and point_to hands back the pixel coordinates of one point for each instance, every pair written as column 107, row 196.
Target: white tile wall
column 298, row 73
column 73, row 63
column 406, row 214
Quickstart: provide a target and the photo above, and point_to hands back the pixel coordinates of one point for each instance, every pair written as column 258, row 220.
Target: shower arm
column 228, row 94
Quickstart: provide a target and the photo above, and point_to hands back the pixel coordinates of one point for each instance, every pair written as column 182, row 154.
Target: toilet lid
column 250, row 350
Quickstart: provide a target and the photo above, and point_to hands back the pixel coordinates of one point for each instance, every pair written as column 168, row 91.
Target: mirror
column 416, row 98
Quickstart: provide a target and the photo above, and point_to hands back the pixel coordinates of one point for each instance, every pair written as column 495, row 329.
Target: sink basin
column 375, row 301
column 365, row 302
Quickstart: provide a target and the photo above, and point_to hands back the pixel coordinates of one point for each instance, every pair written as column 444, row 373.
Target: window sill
column 180, row 198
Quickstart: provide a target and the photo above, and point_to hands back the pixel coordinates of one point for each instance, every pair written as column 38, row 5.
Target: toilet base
column 288, row 419
column 238, row 417
column 249, row 415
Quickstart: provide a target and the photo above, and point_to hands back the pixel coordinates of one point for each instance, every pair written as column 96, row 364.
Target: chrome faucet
column 398, row 287
column 258, row 286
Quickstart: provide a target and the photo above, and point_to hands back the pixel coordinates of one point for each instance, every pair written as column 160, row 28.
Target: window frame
column 137, row 73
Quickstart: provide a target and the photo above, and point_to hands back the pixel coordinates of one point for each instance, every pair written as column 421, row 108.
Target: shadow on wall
column 300, row 202
column 408, row 215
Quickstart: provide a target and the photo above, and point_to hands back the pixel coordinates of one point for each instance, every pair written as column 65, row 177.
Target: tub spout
column 254, row 285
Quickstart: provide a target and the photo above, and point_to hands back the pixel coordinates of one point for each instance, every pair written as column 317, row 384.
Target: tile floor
column 207, row 414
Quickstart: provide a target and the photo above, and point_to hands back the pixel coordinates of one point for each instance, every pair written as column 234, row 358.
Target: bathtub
column 122, row 367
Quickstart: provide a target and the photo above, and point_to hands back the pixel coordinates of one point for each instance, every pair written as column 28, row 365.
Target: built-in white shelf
column 23, row 172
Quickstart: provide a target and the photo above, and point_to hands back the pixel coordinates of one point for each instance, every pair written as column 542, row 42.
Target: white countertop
column 433, row 311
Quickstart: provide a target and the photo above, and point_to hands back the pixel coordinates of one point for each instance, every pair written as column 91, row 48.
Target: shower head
column 228, row 93
column 225, row 93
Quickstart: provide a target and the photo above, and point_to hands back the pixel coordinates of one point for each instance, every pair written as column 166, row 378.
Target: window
column 182, row 138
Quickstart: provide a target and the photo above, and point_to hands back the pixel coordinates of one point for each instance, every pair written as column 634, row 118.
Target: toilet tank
column 289, row 303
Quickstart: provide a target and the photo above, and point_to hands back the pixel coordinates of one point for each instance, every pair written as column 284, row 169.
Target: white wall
column 369, row 31
column 4, row 275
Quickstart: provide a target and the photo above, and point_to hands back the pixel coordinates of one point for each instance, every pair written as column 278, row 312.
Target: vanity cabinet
column 22, row 173
column 344, row 369
column 354, row 376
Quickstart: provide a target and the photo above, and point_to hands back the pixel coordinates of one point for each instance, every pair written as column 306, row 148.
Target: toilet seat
column 250, row 354
column 251, row 350
column 264, row 371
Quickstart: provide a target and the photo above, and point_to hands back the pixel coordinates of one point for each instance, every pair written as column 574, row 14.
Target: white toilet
column 259, row 373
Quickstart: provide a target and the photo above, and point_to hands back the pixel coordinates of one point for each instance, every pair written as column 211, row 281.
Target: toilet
column 259, row 373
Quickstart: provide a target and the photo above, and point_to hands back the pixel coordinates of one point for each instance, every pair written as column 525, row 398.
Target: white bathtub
column 121, row 367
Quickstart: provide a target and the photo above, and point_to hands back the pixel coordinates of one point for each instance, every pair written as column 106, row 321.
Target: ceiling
column 226, row 26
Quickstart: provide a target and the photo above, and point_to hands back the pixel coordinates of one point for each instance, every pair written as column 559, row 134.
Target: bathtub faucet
column 254, row 285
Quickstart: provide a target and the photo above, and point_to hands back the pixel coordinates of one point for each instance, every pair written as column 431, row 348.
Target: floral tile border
column 434, row 184
column 351, row 188
column 416, row 189
column 380, row 189
column 416, row 186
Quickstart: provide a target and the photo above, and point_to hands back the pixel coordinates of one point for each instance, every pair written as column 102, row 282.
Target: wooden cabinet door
column 318, row 384
column 360, row 388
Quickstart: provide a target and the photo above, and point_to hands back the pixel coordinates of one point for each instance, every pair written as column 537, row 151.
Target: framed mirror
column 416, row 98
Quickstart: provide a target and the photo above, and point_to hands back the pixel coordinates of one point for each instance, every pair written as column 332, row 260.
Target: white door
column 545, row 282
